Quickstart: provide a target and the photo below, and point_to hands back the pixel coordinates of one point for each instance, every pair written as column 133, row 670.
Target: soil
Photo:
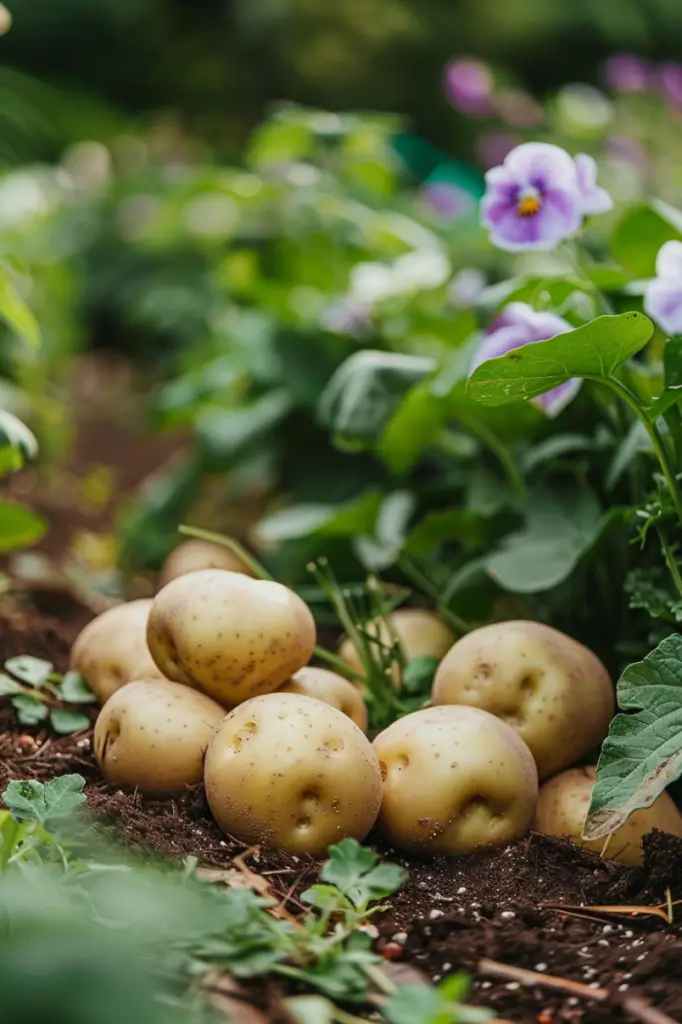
column 522, row 905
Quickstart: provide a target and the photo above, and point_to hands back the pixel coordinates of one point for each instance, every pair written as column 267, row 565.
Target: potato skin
column 228, row 635
column 456, row 780
column 552, row 690
column 330, row 687
column 562, row 809
column 111, row 647
column 293, row 773
column 421, row 634
column 152, row 734
column 194, row 555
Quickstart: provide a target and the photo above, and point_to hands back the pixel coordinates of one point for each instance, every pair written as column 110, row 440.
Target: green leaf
column 366, row 391
column 555, row 447
column 67, row 722
column 30, row 708
column 16, row 313
column 641, row 232
column 34, row 671
column 16, row 435
column 652, row 591
column 226, row 435
column 312, row 518
column 19, row 527
column 74, row 690
column 415, row 426
column 382, row 549
column 310, row 1010
column 633, row 444
column 8, row 686
column 593, row 351
column 449, row 524
column 29, row 800
column 643, row 752
column 357, row 873
column 418, row 675
column 672, row 377
column 560, row 529
column 326, row 897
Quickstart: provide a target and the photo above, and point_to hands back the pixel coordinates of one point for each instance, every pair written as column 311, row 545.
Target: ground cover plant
column 473, row 479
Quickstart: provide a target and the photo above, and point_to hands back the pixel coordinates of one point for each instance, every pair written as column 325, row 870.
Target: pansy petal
column 669, row 261
column 555, row 401
column 594, row 200
column 498, row 344
column 663, row 302
column 542, row 160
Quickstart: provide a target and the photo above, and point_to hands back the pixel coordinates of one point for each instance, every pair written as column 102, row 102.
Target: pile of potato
column 210, row 681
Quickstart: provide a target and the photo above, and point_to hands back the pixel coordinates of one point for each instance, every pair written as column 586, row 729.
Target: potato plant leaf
column 357, row 873
column 34, row 671
column 643, row 752
column 15, row 313
column 66, row 722
column 46, row 803
column 19, row 526
column 641, row 232
column 29, row 708
column 593, row 351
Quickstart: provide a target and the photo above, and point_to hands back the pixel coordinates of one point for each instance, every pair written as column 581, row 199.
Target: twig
column 669, row 904
column 632, row 1005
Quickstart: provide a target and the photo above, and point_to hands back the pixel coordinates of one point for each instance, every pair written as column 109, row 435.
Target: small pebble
column 594, row 984
column 603, row 942
column 628, row 935
column 369, row 929
column 512, row 986
column 486, row 984
column 541, row 967
column 642, row 956
column 607, row 929
column 462, row 889
column 573, row 1001
column 400, row 937
column 391, row 951
column 507, row 915
column 623, row 988
column 435, row 913
column 446, row 967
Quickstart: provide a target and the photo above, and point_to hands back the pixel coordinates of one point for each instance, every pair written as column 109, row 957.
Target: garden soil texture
column 521, row 905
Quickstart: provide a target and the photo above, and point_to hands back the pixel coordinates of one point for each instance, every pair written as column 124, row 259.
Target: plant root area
column 523, row 906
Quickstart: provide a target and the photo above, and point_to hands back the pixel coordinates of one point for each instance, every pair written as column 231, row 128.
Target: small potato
column 293, row 773
column 420, row 633
column 110, row 649
column 552, row 690
column 153, row 734
column 562, row 810
column 456, row 780
column 194, row 555
column 228, row 635
column 332, row 689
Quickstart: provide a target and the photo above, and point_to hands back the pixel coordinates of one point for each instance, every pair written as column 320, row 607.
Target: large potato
column 456, row 780
column 153, row 734
column 194, row 555
column 552, row 690
column 562, row 809
column 333, row 689
column 420, row 633
column 111, row 648
column 292, row 772
column 228, row 635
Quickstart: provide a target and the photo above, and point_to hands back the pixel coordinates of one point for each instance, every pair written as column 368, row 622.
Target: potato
column 333, row 689
column 552, row 690
column 562, row 809
column 194, row 555
column 421, row 634
column 153, row 734
column 456, row 780
column 111, row 648
column 292, row 772
column 228, row 635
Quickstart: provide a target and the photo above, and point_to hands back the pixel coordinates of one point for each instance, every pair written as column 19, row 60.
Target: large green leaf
column 15, row 312
column 317, row 518
column 643, row 752
column 595, row 351
column 366, row 391
column 641, row 232
column 225, row 435
column 672, row 379
column 19, row 526
column 560, row 529
column 416, row 424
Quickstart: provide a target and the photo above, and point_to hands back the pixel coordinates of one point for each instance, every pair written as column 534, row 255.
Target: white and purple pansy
column 538, row 197
column 663, row 298
column 517, row 325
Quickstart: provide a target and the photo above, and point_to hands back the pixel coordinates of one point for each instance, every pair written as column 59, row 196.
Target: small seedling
column 34, row 809
column 39, row 694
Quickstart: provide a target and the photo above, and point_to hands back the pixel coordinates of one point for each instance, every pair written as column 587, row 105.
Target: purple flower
column 532, row 200
column 446, row 199
column 594, row 199
column 670, row 76
column 626, row 72
column 663, row 298
column 518, row 325
column 519, row 109
column 493, row 147
column 468, row 85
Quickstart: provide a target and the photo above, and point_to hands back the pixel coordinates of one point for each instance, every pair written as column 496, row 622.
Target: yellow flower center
column 529, row 203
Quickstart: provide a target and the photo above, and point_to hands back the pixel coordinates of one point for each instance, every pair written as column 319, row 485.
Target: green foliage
column 42, row 695
column 641, row 755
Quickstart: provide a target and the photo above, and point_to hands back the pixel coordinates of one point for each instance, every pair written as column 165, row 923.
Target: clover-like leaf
column 357, row 873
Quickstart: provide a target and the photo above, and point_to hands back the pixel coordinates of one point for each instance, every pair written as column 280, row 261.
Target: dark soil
column 449, row 916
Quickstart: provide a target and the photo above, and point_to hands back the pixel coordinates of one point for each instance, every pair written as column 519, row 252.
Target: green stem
column 379, row 979
column 339, row 664
column 670, row 560
column 228, row 542
column 498, row 448
column 656, row 440
column 417, row 577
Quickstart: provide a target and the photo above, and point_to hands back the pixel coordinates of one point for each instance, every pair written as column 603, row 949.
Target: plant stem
column 338, row 663
column 417, row 577
column 379, row 979
column 659, row 447
column 670, row 560
column 228, row 542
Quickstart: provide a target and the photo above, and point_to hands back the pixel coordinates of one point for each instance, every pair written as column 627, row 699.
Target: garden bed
column 518, row 905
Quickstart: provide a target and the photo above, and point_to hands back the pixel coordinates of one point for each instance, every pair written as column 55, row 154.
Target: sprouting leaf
column 74, row 690
column 643, row 752
column 34, row 671
column 19, row 526
column 15, row 312
column 325, row 897
column 29, row 708
column 66, row 722
column 594, row 351
column 358, row 874
column 45, row 803
column 366, row 391
column 8, row 687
